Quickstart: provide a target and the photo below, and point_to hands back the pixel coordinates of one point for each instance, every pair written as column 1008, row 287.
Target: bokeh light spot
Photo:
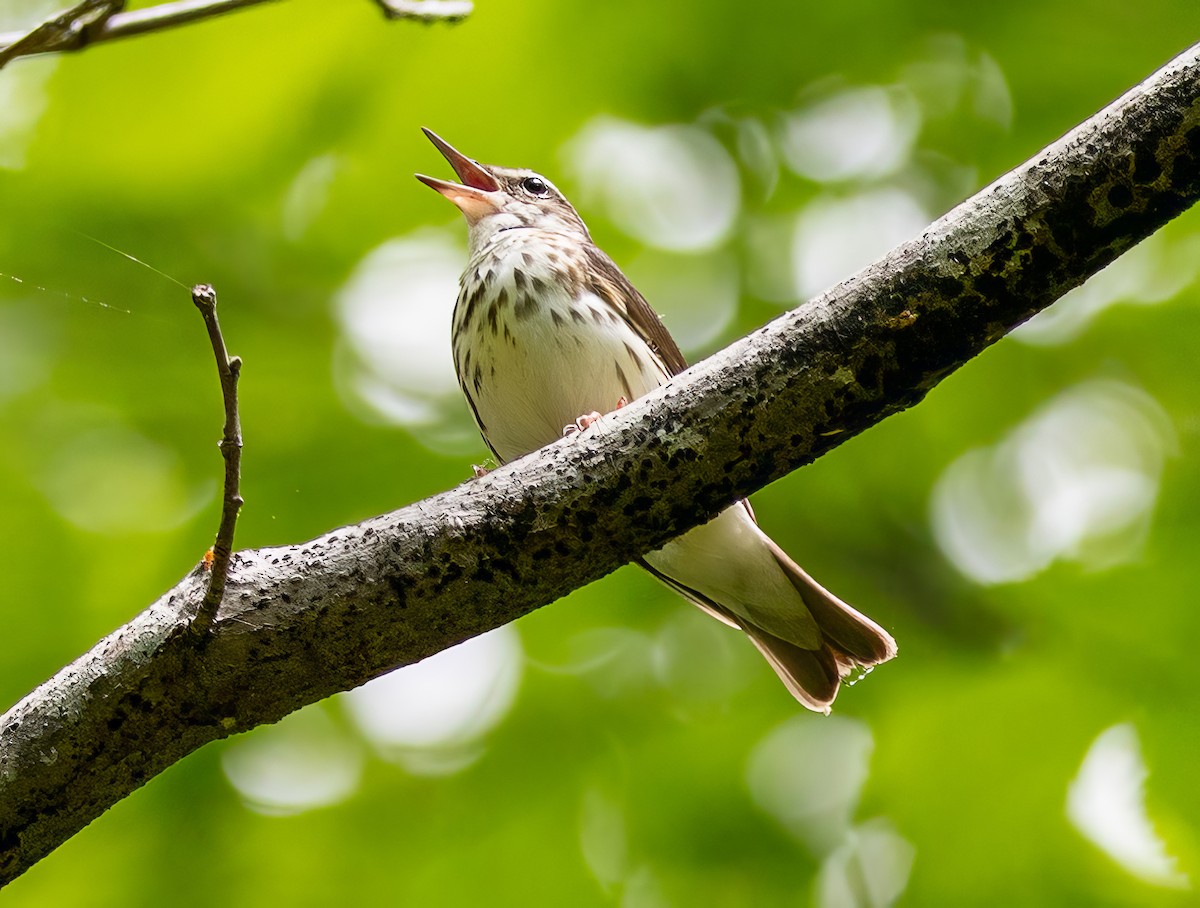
column 1077, row 480
column 838, row 235
column 306, row 197
column 807, row 775
column 1106, row 802
column 26, row 342
column 298, row 764
column 430, row 717
column 108, row 478
column 394, row 313
column 869, row 869
column 851, row 134
column 671, row 187
column 602, row 837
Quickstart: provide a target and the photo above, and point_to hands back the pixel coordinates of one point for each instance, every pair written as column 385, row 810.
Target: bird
column 547, row 333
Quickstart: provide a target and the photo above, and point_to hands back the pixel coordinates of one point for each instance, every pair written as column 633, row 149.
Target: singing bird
column 547, row 333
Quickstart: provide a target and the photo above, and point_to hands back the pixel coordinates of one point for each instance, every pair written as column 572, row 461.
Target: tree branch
column 302, row 622
column 93, row 21
column 229, row 370
column 426, row 10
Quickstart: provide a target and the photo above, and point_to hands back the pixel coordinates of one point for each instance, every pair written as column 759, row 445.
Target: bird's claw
column 580, row 423
column 588, row 419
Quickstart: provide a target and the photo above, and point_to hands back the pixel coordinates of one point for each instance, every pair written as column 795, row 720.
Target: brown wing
column 605, row 279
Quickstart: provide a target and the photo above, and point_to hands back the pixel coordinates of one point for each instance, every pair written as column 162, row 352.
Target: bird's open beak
column 479, row 193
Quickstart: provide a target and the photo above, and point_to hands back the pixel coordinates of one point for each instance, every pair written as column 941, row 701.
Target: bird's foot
column 580, row 423
column 588, row 419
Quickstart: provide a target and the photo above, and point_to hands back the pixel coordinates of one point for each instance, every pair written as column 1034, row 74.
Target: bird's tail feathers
column 850, row 641
column 812, row 676
column 852, row 635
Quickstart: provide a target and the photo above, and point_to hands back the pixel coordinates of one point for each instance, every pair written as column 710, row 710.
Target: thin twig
column 94, row 21
column 427, row 10
column 70, row 28
column 229, row 368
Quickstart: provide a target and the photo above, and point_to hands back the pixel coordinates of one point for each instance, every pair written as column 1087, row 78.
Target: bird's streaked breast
column 535, row 349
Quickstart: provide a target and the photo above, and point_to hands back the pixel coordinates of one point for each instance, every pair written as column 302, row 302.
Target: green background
column 1028, row 533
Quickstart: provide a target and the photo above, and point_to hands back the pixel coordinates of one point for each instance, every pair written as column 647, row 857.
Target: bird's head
column 493, row 199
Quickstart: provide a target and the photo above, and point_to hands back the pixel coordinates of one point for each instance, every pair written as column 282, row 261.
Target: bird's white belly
column 545, row 366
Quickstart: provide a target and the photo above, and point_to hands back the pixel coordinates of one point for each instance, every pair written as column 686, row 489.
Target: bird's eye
column 535, row 186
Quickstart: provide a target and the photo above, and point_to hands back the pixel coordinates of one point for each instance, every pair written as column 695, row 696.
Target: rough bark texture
column 302, row 622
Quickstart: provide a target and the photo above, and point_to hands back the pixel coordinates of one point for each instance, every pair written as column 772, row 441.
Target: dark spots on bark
column 945, row 286
column 990, row 287
column 1024, row 240
column 607, row 498
column 9, row 840
column 1191, row 139
column 638, row 505
column 442, row 574
column 868, row 371
column 1146, row 168
column 399, row 591
column 677, row 515
column 1043, row 263
column 793, row 357
column 999, row 247
column 1120, row 196
column 680, row 458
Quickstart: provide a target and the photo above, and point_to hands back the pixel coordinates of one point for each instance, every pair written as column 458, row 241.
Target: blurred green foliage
column 1028, row 532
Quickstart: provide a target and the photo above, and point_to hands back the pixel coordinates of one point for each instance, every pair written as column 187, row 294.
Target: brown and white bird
column 547, row 334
